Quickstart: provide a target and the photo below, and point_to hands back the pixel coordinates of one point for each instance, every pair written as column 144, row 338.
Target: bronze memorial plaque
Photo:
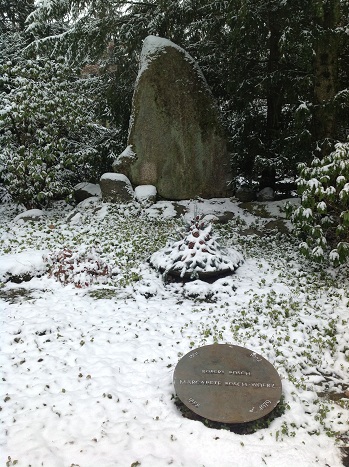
column 227, row 383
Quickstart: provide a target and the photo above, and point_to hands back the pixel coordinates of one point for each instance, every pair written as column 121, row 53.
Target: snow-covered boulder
column 178, row 144
column 116, row 188
column 19, row 267
column 210, row 219
column 30, row 215
column 86, row 190
column 146, row 194
column 266, row 194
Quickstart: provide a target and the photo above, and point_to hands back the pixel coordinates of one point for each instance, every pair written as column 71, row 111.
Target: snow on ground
column 87, row 371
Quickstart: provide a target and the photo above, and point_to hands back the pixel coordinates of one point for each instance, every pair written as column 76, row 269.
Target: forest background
column 278, row 69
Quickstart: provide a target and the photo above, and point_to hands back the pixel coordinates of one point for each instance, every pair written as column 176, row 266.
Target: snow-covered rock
column 266, row 194
column 124, row 160
column 30, row 215
column 245, row 194
column 116, row 188
column 210, row 218
column 23, row 266
column 146, row 194
column 86, row 190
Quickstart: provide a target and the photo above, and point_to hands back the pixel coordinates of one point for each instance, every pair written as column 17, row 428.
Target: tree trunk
column 274, row 97
column 326, row 48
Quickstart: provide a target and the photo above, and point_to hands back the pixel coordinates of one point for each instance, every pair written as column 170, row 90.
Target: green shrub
column 48, row 136
column 322, row 219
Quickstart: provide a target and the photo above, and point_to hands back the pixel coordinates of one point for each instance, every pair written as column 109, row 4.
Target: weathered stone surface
column 245, row 194
column 86, row 190
column 266, row 194
column 116, row 188
column 175, row 129
column 122, row 162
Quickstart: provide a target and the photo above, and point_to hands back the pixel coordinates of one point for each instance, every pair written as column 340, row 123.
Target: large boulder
column 175, row 139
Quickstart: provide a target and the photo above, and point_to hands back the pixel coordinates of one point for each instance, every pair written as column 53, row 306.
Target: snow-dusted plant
column 80, row 268
column 196, row 255
column 322, row 219
column 49, row 140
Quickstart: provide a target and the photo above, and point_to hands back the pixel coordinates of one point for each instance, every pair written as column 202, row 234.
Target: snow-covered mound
column 25, row 264
column 196, row 255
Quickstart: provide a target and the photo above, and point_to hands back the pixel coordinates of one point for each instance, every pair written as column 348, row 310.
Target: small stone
column 86, row 190
column 30, row 215
column 116, row 188
column 122, row 162
column 245, row 194
column 267, row 194
column 146, row 194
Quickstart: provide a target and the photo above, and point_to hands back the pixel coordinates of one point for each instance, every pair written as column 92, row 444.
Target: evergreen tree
column 266, row 61
column 108, row 34
column 13, row 38
column 13, row 14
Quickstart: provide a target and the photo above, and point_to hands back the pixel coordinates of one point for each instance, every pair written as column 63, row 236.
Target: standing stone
column 175, row 130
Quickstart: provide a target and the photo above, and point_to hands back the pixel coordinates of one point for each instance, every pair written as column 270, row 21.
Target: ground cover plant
column 196, row 254
column 87, row 371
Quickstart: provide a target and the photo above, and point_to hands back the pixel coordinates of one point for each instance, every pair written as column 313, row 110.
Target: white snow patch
column 115, row 177
column 89, row 382
column 34, row 214
column 28, row 262
column 126, row 157
column 153, row 46
column 91, row 188
column 127, row 152
column 75, row 219
column 89, row 202
column 163, row 208
column 145, row 191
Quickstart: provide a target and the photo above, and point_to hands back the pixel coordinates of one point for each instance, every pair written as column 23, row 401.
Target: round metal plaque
column 227, row 383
